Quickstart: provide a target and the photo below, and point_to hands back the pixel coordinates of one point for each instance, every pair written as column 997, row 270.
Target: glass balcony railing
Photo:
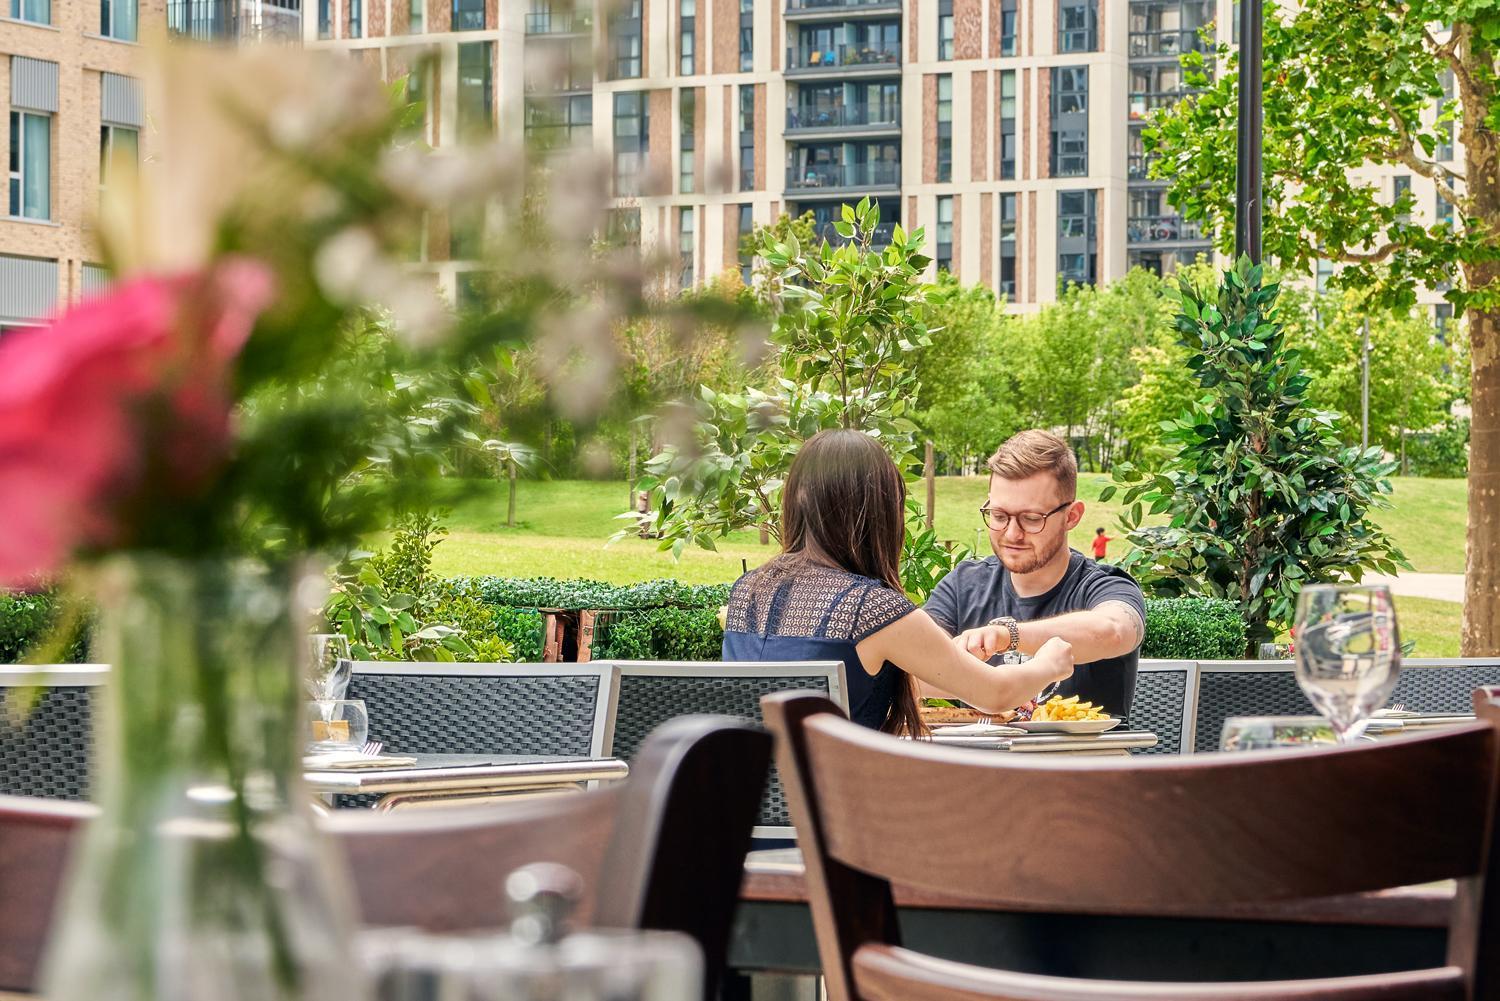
column 843, row 56
column 1145, row 44
column 798, row 6
column 1138, row 166
column 1161, row 229
column 846, row 115
column 855, row 175
column 1142, row 105
column 562, row 22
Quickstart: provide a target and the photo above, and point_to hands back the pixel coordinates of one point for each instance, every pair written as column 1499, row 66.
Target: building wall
column 73, row 42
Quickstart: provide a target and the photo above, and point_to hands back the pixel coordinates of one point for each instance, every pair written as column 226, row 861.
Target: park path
column 1442, row 586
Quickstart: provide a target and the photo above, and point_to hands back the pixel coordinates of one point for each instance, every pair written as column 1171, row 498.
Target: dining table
column 448, row 779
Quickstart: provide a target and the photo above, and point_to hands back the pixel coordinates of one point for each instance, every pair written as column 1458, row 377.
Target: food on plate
column 941, row 712
column 1059, row 708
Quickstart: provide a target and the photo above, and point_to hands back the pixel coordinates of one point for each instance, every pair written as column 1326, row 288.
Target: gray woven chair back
column 651, row 692
column 1164, row 692
column 1444, row 686
column 1244, row 688
column 485, row 708
column 45, row 750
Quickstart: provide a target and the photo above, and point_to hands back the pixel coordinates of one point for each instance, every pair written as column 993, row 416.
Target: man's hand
column 983, row 642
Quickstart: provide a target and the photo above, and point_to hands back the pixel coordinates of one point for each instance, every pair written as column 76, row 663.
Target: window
column 685, row 246
column 625, row 41
column 1007, row 125
column 356, row 18
column 117, row 19
column 1076, row 249
column 1401, row 189
column 1445, row 128
column 1442, row 209
column 747, row 35
column 944, row 235
column 1321, row 275
column 632, row 140
column 624, row 227
column 1008, row 200
column 945, row 127
column 1442, row 315
column 416, row 17
column 30, row 165
column 687, row 40
column 325, row 18
column 1008, row 27
column 119, row 150
column 37, row 11
column 468, row 15
column 746, row 227
column 1077, row 22
column 554, row 123
column 1070, row 121
column 747, row 137
column 687, row 110
column 476, row 89
column 945, row 29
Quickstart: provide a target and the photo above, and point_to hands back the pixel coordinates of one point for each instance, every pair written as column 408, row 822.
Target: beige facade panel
column 659, row 177
column 979, row 118
column 1030, row 246
column 910, row 26
column 726, row 32
column 987, row 239
column 929, row 128
column 439, row 16
column 762, row 179
column 968, row 29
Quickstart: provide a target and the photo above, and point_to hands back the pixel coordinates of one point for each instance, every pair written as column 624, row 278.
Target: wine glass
column 1348, row 652
column 328, row 671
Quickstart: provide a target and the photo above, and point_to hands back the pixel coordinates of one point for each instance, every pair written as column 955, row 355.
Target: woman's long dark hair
column 845, row 502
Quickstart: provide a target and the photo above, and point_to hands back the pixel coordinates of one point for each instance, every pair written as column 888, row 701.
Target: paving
column 1442, row 586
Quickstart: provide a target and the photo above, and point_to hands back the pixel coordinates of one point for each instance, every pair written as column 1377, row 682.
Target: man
column 1035, row 587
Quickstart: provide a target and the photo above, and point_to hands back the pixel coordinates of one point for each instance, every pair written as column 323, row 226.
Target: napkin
column 976, row 730
column 342, row 760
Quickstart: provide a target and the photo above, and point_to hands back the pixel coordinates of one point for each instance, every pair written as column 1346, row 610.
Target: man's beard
column 1036, row 560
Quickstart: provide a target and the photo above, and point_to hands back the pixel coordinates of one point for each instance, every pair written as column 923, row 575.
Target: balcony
column 1142, row 105
column 884, row 232
column 1164, row 44
column 815, row 10
column 1162, row 229
column 561, row 22
column 845, row 60
column 834, row 180
column 1138, row 166
column 864, row 118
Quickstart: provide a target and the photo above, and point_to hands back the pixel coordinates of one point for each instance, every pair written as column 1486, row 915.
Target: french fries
column 1059, row 708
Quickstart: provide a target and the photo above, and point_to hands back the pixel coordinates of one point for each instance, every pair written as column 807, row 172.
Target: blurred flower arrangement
column 271, row 378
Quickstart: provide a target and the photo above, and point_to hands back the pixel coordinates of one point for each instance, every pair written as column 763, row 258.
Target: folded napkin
column 976, row 730
column 343, row 760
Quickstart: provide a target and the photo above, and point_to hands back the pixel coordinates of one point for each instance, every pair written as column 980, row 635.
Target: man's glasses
column 1031, row 522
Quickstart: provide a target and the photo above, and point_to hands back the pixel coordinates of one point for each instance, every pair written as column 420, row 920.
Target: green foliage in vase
column 852, row 319
column 1263, row 496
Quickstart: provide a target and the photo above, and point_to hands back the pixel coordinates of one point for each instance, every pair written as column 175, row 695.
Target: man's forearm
column 1113, row 629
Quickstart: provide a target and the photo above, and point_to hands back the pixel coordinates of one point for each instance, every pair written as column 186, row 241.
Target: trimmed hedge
column 1193, row 629
column 577, row 595
column 26, row 620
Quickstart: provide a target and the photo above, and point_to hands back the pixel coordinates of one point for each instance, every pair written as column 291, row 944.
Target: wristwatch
column 1015, row 631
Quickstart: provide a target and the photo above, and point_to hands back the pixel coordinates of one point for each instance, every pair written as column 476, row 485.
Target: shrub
column 27, row 620
column 1193, row 629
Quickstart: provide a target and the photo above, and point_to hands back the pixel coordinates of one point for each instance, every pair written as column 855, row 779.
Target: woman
column 834, row 593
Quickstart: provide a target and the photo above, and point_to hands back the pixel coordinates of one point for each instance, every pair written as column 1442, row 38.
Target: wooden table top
column 777, row 877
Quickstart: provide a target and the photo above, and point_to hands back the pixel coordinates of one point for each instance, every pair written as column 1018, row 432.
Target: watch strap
column 1015, row 631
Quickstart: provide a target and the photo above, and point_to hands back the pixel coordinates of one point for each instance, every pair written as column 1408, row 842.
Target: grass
column 562, row 527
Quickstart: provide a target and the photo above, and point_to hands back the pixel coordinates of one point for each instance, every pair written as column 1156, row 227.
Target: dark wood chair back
column 664, row 850
column 1141, row 836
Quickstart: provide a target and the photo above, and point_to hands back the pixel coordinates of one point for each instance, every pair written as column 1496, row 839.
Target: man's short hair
column 1027, row 453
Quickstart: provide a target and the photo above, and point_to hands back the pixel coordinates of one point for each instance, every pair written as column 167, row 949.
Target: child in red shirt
column 1100, row 542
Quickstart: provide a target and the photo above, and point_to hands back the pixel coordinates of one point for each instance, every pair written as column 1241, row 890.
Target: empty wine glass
column 328, row 672
column 1348, row 652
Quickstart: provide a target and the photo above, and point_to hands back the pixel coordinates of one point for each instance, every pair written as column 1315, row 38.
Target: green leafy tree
column 1262, row 494
column 766, row 277
column 851, row 321
column 1350, row 83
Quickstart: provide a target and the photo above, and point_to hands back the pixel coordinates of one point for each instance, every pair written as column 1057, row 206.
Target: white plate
column 1065, row 725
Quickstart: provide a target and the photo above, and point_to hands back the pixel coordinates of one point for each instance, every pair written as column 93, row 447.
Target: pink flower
column 137, row 379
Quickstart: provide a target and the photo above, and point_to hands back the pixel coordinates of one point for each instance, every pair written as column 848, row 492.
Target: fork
column 371, row 749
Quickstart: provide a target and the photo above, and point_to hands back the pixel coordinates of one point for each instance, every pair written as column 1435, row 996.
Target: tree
column 1354, row 82
column 1263, row 496
column 764, row 277
column 851, row 322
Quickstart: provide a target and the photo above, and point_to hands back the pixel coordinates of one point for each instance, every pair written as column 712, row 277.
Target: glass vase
column 204, row 875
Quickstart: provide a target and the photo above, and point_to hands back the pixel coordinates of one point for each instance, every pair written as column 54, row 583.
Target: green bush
column 26, row 620
column 1444, row 452
column 1193, row 629
column 577, row 595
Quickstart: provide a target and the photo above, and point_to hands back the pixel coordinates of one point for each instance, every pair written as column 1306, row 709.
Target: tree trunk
column 929, row 473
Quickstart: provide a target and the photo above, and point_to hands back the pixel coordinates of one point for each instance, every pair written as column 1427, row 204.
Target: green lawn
column 563, row 527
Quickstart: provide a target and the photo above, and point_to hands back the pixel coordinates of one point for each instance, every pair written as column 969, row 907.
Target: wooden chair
column 872, row 811
column 664, row 850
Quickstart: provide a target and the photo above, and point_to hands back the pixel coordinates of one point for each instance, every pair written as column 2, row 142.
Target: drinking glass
column 328, row 671
column 1348, row 652
column 336, row 725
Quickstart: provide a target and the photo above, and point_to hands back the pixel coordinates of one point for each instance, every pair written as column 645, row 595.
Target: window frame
column 18, row 174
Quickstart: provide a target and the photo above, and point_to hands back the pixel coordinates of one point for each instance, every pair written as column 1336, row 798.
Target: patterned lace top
column 793, row 609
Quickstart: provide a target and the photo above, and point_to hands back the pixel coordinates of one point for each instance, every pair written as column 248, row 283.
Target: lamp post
column 1248, row 162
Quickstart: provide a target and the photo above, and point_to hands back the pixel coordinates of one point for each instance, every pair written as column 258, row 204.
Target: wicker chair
column 45, row 744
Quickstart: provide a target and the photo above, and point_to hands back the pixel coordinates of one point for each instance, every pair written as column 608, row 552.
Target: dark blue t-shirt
column 977, row 591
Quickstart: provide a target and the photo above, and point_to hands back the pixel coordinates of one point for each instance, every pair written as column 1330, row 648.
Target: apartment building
column 77, row 112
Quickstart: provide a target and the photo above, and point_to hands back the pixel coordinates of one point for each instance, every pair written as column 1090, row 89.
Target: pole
column 930, row 473
column 630, row 471
column 1247, row 208
column 1364, row 388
